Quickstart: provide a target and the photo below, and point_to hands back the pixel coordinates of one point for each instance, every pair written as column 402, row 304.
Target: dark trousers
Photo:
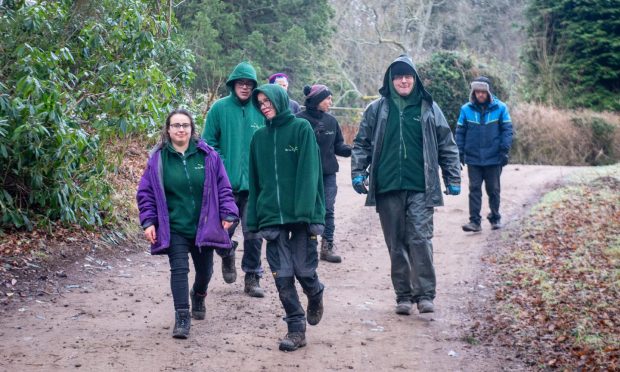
column 407, row 225
column 490, row 175
column 178, row 256
column 250, row 263
column 292, row 253
column 330, row 188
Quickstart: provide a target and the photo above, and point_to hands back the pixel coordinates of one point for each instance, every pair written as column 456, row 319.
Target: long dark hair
column 165, row 137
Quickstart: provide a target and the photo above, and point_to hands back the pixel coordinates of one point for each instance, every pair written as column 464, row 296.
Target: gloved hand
column 503, row 158
column 453, row 190
column 358, row 184
column 462, row 159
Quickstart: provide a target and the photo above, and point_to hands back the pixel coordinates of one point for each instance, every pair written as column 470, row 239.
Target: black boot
column 229, row 272
column 182, row 324
column 252, row 285
column 198, row 305
column 327, row 252
column 293, row 341
column 314, row 312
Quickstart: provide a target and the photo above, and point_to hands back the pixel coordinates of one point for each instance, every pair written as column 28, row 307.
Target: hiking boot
column 293, row 341
column 252, row 286
column 198, row 305
column 426, row 306
column 181, row 324
column 496, row 225
column 327, row 252
column 403, row 308
column 472, row 227
column 314, row 311
column 229, row 272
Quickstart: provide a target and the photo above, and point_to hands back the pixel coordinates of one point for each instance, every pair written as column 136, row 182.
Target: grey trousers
column 408, row 228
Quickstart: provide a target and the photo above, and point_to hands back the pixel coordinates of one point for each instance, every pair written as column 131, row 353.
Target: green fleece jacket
column 286, row 181
column 229, row 128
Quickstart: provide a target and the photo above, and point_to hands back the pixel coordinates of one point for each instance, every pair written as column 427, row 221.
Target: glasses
column 266, row 104
column 178, row 126
column 244, row 83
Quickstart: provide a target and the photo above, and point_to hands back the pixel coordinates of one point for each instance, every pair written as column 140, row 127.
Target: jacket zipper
column 275, row 161
column 189, row 183
column 401, row 148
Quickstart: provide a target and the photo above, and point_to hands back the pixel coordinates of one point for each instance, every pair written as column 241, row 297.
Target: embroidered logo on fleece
column 199, row 166
column 255, row 126
column 291, row 148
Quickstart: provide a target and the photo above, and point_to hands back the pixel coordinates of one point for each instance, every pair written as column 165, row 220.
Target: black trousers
column 490, row 175
column 292, row 253
column 178, row 256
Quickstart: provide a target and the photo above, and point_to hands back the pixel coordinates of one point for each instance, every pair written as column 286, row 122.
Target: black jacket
column 328, row 136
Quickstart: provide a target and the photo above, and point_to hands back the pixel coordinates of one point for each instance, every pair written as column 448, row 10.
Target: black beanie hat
column 401, row 68
column 315, row 94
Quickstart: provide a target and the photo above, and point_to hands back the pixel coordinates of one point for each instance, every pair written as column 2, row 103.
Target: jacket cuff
column 230, row 218
column 148, row 223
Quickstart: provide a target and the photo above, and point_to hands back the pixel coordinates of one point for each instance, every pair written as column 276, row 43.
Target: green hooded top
column 401, row 165
column 229, row 128
column 286, row 181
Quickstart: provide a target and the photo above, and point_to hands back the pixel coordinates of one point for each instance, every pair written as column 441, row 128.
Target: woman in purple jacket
column 186, row 207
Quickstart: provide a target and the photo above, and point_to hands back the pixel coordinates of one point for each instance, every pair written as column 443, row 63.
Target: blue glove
column 358, row 184
column 453, row 190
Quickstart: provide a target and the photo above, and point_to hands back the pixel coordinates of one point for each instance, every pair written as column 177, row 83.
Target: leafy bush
column 447, row 76
column 72, row 72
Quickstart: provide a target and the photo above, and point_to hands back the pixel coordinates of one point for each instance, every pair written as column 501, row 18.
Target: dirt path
column 119, row 318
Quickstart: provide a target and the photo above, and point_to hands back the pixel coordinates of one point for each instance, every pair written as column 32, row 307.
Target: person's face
column 325, row 104
column 283, row 82
column 243, row 89
column 266, row 107
column 481, row 95
column 180, row 129
column 403, row 84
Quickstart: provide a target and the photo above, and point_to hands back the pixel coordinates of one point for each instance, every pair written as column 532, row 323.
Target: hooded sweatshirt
column 229, row 128
column 286, row 182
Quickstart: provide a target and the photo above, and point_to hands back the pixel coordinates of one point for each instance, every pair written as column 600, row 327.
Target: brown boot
column 293, row 341
column 327, row 252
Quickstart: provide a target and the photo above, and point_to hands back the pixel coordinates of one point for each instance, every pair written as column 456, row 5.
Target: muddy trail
column 117, row 314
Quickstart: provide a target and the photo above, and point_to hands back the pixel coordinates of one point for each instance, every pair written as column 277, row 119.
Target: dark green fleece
column 184, row 178
column 286, row 182
column 401, row 165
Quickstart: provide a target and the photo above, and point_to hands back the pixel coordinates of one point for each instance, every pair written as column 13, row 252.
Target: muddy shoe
column 472, row 227
column 426, row 306
column 327, row 252
column 293, row 341
column 229, row 272
column 496, row 225
column 403, row 308
column 252, row 286
column 182, row 324
column 198, row 305
column 314, row 312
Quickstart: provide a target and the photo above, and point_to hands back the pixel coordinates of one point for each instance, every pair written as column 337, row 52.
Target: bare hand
column 151, row 234
column 226, row 224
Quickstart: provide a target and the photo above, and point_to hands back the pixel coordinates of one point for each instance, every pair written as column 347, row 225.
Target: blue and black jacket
column 484, row 132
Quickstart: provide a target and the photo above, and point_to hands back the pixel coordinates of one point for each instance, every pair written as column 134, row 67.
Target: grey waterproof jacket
column 440, row 150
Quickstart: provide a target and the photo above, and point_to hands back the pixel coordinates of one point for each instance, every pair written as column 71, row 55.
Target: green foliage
column 447, row 75
column 573, row 53
column 73, row 72
column 276, row 36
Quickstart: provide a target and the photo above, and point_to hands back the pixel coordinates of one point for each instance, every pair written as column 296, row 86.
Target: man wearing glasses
column 229, row 127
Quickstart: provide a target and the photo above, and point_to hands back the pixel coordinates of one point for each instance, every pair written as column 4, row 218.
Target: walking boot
column 472, row 227
column 403, row 308
column 426, row 306
column 229, row 272
column 182, row 324
column 327, row 252
column 293, row 341
column 198, row 305
column 252, row 286
column 496, row 225
column 314, row 311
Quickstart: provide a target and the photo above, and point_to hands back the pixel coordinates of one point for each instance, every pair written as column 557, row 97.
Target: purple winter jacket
column 218, row 202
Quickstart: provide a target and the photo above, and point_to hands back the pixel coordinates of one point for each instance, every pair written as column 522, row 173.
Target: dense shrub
column 544, row 135
column 447, row 76
column 72, row 72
